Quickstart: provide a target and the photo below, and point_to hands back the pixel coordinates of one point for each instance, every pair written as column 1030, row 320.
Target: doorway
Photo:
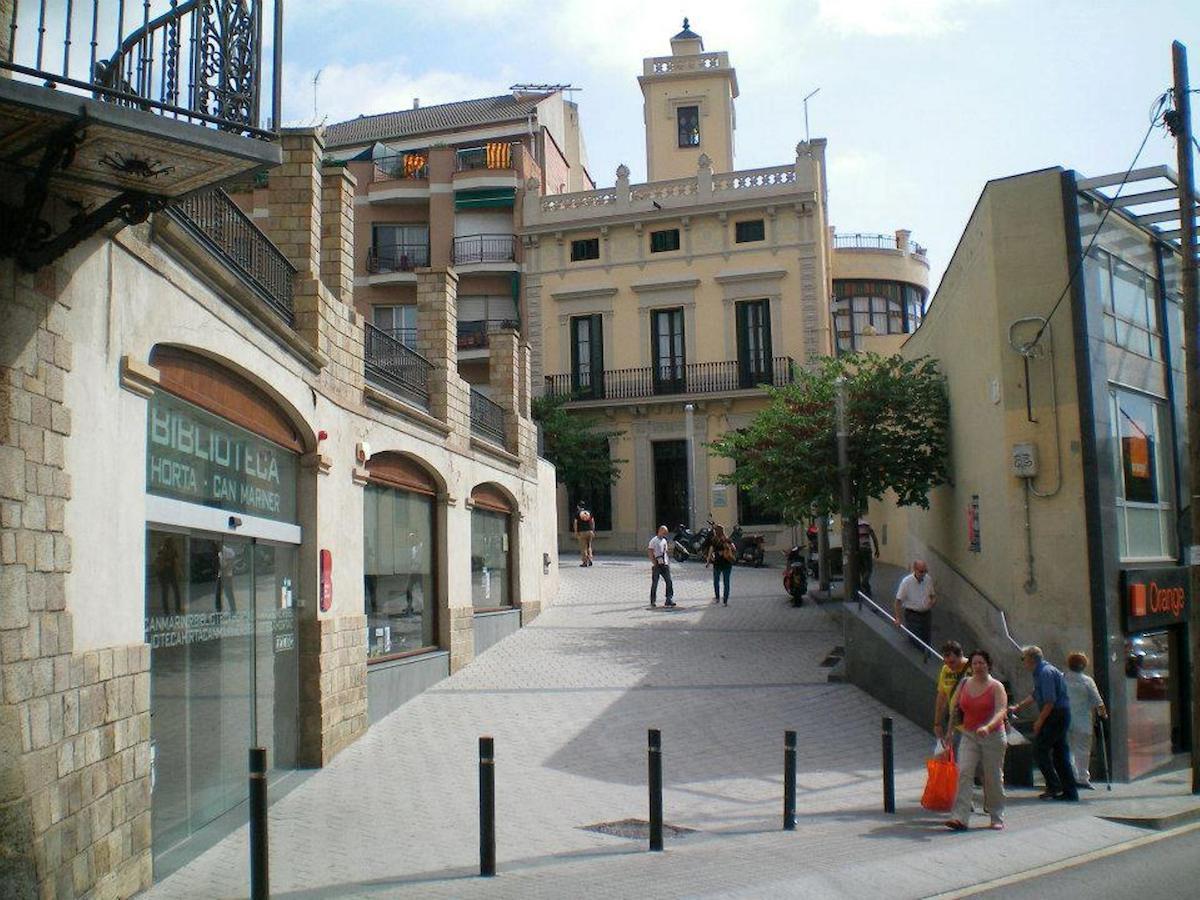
column 670, row 484
column 224, row 672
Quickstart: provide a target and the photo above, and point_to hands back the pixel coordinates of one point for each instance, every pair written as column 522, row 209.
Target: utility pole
column 1182, row 130
column 849, row 509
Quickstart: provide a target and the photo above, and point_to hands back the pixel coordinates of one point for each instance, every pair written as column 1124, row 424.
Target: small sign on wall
column 974, row 542
column 720, row 495
column 1155, row 598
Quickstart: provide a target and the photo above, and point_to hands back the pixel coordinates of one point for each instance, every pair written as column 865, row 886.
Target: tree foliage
column 897, row 416
column 577, row 443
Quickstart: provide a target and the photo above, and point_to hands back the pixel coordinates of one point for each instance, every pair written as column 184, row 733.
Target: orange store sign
column 1155, row 597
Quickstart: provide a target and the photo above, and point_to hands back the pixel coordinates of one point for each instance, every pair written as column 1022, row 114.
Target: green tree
column 897, row 417
column 578, row 445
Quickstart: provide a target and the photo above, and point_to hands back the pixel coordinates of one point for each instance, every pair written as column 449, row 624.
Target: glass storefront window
column 398, row 571
column 1143, row 477
column 490, row 563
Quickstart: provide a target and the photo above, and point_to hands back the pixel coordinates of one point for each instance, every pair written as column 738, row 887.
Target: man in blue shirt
column 1051, row 726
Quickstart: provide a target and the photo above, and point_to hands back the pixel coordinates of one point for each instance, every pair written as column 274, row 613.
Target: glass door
column 668, row 351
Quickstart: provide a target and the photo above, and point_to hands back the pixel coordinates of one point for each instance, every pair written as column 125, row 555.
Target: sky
column 921, row 101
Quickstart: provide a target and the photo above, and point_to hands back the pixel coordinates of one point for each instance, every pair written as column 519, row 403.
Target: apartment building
column 684, row 296
column 443, row 186
column 228, row 518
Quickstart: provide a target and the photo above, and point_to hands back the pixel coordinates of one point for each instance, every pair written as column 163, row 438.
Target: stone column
column 437, row 341
column 442, row 161
column 504, row 364
column 337, row 232
column 294, row 198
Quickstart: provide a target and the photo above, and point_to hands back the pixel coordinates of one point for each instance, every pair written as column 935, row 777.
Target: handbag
column 941, row 782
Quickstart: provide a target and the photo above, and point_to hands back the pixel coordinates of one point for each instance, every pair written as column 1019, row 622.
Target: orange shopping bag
column 942, row 783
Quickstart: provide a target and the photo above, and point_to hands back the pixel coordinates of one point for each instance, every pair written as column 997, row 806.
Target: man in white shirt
column 915, row 598
column 659, row 551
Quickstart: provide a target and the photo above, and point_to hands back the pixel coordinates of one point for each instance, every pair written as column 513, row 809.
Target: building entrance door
column 670, row 484
column 220, row 622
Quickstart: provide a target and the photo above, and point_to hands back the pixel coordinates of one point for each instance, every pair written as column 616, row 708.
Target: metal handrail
column 396, row 367
column 674, row 378
column 484, row 248
column 487, row 417
column 385, row 258
column 200, row 61
column 891, row 618
column 398, row 166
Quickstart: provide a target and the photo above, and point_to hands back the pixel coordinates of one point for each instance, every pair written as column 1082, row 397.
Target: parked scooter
column 751, row 548
column 795, row 575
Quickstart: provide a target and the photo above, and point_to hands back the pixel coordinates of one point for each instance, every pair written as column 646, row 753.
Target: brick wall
column 74, row 728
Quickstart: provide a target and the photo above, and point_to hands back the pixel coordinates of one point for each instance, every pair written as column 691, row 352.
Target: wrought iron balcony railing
column 487, row 418
column 473, row 334
column 497, row 155
column 198, row 60
column 217, row 222
column 484, row 248
column 403, row 165
column 394, row 367
column 397, row 258
column 666, row 380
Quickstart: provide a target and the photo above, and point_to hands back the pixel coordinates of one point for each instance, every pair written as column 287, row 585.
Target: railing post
column 889, row 775
column 487, row 807
column 260, row 879
column 789, row 781
column 655, row 781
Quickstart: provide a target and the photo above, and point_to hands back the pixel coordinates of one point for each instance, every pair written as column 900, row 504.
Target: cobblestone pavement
column 568, row 700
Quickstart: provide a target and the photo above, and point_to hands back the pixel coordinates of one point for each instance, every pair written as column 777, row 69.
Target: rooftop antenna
column 806, row 99
column 316, row 78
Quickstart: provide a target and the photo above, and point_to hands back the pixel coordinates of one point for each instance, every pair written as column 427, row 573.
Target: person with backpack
column 721, row 554
column 584, row 526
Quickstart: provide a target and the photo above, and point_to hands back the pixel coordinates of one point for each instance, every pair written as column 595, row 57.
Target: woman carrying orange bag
column 982, row 704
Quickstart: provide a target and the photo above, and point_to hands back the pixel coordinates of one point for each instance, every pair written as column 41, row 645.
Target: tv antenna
column 806, row 99
column 316, row 78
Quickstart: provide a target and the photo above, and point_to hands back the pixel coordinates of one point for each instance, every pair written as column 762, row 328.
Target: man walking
column 659, row 551
column 953, row 671
column 584, row 526
column 1051, row 727
column 868, row 552
column 915, row 598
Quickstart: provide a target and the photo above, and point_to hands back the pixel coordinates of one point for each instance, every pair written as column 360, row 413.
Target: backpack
column 727, row 551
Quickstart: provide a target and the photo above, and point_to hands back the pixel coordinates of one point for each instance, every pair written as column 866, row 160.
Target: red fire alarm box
column 326, row 580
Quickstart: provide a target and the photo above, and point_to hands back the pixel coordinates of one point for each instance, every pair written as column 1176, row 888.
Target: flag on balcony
column 413, row 163
column 498, row 155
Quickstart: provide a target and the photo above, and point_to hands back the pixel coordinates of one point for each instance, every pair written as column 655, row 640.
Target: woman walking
column 982, row 704
column 720, row 556
column 1086, row 703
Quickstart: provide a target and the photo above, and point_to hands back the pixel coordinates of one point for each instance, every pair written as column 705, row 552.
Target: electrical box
column 1024, row 460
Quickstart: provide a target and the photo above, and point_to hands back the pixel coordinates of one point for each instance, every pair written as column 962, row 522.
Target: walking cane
column 1104, row 755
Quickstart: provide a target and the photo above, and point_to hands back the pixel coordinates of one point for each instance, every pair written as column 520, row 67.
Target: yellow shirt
column 948, row 679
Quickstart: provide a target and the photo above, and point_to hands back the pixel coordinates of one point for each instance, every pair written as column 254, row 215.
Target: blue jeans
column 721, row 573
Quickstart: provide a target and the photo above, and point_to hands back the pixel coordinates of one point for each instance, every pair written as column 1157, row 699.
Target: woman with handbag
column 721, row 554
column 981, row 704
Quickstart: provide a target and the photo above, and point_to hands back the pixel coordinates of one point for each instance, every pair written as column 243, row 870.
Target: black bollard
column 889, row 775
column 487, row 807
column 260, row 877
column 656, row 800
column 789, row 781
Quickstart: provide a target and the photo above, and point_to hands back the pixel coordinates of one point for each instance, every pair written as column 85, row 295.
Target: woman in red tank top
column 980, row 703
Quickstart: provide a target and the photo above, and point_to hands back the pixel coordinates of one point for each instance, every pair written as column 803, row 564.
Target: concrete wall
column 393, row 683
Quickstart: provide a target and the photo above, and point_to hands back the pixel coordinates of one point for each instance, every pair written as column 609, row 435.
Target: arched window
column 491, row 548
column 399, row 553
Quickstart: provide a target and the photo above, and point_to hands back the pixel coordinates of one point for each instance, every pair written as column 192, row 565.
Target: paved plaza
column 569, row 699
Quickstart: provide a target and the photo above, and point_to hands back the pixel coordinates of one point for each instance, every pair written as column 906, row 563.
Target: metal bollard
column 656, row 800
column 789, row 781
column 889, row 774
column 487, row 807
column 260, row 877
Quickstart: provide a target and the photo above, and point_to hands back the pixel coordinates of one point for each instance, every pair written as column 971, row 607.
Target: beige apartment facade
column 677, row 300
column 1062, row 522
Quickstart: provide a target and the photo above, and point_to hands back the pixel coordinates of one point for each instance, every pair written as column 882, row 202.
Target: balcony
column 482, row 249
column 396, row 368
column 173, row 108
column 497, row 155
column 413, row 166
column 487, row 418
column 874, row 242
column 230, row 235
column 473, row 334
column 386, row 259
column 671, row 380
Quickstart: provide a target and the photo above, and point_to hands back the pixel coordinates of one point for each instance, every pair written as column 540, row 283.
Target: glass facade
column 491, row 584
column 1145, row 511
column 399, row 595
column 1128, row 297
column 864, row 308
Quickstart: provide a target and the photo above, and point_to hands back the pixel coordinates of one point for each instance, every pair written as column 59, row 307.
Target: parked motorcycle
column 751, row 548
column 690, row 544
column 795, row 574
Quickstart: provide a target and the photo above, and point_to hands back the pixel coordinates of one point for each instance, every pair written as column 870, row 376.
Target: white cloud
column 894, row 18
column 367, row 88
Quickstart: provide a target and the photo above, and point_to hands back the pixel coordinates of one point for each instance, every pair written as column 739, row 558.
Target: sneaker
column 1086, row 786
column 726, row 603
column 670, row 603
column 653, row 604
column 1050, row 795
column 956, row 825
column 997, row 826
column 716, row 599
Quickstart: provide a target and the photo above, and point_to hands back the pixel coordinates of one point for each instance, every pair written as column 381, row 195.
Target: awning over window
column 481, row 197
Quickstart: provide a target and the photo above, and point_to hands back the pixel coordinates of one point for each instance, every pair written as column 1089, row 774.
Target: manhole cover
column 637, row 829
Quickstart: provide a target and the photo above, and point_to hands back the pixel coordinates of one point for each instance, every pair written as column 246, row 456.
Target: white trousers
column 1081, row 754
